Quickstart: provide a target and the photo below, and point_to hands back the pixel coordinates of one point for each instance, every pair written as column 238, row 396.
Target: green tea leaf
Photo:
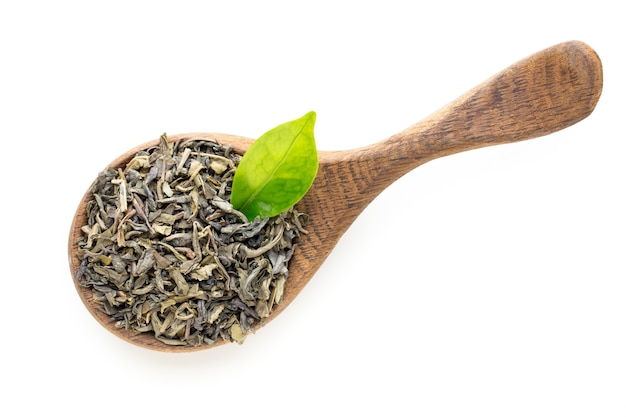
column 277, row 170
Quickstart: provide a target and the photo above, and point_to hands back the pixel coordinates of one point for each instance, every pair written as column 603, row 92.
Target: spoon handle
column 541, row 94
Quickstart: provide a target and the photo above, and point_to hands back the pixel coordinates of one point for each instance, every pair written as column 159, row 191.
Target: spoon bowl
column 541, row 94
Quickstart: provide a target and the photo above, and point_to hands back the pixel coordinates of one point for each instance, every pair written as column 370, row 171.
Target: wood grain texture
column 541, row 94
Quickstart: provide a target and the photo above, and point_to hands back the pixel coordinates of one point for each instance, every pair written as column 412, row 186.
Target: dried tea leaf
column 237, row 333
column 165, row 252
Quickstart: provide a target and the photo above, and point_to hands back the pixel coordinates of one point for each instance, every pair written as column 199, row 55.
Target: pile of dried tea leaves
column 164, row 251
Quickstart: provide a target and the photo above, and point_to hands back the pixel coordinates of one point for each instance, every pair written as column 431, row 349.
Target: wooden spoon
column 539, row 95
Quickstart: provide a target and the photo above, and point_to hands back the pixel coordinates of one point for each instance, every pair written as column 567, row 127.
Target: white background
column 498, row 288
